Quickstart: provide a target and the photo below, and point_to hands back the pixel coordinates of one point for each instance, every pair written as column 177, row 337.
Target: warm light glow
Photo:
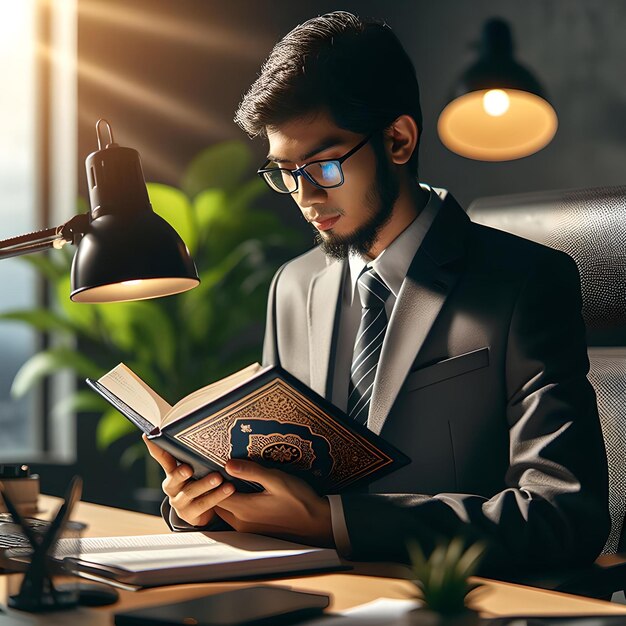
column 154, row 155
column 143, row 95
column 496, row 102
column 135, row 290
column 147, row 98
column 467, row 129
column 16, row 15
column 172, row 29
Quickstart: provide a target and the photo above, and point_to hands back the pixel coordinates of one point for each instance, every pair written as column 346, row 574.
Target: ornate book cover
column 275, row 420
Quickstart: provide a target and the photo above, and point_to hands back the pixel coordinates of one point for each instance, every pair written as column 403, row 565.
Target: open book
column 126, row 385
column 261, row 414
column 152, row 560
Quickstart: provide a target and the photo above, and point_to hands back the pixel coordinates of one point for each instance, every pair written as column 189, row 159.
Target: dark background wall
column 168, row 75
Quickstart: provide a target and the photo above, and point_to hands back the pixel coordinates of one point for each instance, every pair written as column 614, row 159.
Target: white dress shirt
column 392, row 265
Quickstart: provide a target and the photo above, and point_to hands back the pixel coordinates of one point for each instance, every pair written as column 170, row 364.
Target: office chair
column 590, row 226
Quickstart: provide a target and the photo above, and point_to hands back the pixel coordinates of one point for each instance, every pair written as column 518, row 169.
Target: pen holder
column 46, row 556
column 45, row 581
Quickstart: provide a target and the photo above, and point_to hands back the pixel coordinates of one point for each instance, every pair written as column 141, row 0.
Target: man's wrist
column 324, row 525
column 339, row 528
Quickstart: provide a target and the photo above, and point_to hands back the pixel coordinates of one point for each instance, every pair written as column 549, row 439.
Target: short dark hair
column 356, row 70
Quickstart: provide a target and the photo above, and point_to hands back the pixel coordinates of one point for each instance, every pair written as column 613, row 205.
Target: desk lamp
column 498, row 110
column 125, row 250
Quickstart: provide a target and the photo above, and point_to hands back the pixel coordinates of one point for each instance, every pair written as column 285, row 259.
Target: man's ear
column 401, row 139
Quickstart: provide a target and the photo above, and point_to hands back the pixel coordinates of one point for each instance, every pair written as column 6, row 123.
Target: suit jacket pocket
column 448, row 368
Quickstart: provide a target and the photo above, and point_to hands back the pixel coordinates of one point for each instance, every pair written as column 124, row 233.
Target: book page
column 130, row 389
column 201, row 397
column 174, row 550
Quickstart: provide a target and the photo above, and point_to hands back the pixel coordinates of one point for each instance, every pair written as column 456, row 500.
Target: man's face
column 349, row 217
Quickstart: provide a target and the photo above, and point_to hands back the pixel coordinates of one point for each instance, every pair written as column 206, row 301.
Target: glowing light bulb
column 496, row 102
column 131, row 283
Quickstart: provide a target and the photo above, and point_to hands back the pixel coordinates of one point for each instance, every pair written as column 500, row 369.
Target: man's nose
column 308, row 194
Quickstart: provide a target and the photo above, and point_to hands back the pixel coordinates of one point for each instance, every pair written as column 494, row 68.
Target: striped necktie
column 367, row 347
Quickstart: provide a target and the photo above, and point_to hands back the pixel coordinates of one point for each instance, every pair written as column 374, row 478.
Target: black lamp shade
column 130, row 257
column 127, row 252
column 526, row 121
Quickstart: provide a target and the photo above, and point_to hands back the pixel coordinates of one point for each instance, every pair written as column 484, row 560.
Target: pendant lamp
column 498, row 110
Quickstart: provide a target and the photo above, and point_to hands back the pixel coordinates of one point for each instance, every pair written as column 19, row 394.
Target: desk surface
column 370, row 581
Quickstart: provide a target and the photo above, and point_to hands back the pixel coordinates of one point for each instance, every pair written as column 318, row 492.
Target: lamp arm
column 69, row 232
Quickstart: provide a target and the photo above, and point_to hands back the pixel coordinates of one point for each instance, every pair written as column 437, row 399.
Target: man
column 472, row 362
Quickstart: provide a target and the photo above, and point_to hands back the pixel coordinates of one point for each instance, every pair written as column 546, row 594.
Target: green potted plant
column 442, row 583
column 179, row 343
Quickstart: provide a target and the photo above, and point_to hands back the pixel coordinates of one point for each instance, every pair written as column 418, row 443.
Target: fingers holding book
column 288, row 507
column 195, row 500
column 192, row 500
column 163, row 458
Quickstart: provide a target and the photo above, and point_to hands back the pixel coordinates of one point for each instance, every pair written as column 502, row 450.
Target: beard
column 379, row 202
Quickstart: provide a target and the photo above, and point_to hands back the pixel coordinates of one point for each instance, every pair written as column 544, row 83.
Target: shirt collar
column 392, row 264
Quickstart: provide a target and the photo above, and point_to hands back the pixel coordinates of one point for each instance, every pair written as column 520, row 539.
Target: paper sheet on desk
column 380, row 612
column 393, row 612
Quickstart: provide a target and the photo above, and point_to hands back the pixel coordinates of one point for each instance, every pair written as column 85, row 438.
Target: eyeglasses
column 325, row 174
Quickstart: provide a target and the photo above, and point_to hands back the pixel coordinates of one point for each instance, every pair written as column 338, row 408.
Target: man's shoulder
column 306, row 265
column 509, row 250
column 498, row 248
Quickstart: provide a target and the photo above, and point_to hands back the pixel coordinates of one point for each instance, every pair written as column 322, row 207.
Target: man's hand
column 288, row 508
column 192, row 500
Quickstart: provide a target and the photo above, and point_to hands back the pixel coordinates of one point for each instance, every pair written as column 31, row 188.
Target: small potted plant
column 442, row 584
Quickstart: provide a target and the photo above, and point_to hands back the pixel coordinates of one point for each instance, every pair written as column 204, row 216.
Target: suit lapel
column 323, row 307
column 431, row 277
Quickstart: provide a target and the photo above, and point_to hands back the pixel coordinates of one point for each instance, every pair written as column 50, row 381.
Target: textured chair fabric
column 590, row 225
column 607, row 374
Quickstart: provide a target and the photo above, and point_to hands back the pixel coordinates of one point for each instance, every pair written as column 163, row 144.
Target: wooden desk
column 370, row 581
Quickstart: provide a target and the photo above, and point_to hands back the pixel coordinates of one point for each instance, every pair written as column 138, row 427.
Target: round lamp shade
column 511, row 125
column 130, row 257
column 498, row 110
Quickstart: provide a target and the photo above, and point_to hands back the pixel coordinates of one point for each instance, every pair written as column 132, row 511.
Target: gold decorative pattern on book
column 284, row 449
column 353, row 456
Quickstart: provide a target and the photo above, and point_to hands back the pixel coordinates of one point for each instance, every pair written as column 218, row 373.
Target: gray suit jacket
column 481, row 382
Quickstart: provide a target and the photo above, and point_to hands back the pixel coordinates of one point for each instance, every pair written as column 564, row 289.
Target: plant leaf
column 82, row 401
column 42, row 319
column 82, row 315
column 208, row 206
column 141, row 328
column 50, row 362
column 132, row 454
column 222, row 166
column 247, row 194
column 174, row 207
column 111, row 427
column 470, row 559
column 453, row 554
column 51, row 269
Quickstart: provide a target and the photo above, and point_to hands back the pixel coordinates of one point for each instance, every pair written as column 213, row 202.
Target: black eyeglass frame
column 301, row 171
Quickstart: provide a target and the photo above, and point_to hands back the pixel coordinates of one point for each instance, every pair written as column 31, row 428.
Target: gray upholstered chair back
column 590, row 225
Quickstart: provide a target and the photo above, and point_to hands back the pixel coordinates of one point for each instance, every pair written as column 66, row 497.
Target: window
column 37, row 189
column 18, row 194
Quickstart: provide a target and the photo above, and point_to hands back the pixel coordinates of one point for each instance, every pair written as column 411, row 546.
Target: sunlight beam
column 193, row 118
column 234, row 43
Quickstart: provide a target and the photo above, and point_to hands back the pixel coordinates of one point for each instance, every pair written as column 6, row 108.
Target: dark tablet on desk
column 251, row 606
